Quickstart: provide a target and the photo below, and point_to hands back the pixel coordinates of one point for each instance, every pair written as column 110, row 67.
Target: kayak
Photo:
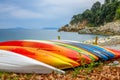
column 84, row 58
column 100, row 50
column 87, row 56
column 49, row 58
column 37, row 56
column 116, row 52
column 44, row 46
column 14, row 62
column 87, row 48
column 81, row 51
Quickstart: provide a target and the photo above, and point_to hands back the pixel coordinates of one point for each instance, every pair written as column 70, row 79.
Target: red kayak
column 116, row 52
column 44, row 46
column 43, row 56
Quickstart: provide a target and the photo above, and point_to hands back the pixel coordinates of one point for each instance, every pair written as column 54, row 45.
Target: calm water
column 9, row 34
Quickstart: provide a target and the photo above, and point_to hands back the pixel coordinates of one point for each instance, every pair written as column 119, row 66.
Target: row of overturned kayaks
column 38, row 56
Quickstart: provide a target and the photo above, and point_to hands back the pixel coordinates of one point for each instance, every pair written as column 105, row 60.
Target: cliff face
column 73, row 27
column 112, row 28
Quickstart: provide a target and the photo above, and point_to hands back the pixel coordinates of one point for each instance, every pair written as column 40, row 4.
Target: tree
column 87, row 14
column 76, row 19
column 117, row 13
column 112, row 1
column 99, row 14
column 108, row 11
column 107, row 1
column 96, row 6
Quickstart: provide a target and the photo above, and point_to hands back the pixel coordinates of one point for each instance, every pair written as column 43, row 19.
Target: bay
column 38, row 34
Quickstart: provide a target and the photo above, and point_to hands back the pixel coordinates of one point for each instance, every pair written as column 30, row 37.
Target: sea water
column 38, row 34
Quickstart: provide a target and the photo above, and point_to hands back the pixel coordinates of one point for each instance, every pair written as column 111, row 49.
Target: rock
column 110, row 42
column 115, row 62
column 73, row 27
column 112, row 28
column 83, row 31
column 110, row 64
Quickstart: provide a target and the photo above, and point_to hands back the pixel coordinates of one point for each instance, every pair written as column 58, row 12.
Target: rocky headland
column 111, row 28
column 73, row 27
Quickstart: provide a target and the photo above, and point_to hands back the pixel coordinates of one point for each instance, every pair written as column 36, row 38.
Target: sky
column 37, row 14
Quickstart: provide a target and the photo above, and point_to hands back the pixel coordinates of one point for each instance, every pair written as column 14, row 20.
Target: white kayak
column 14, row 62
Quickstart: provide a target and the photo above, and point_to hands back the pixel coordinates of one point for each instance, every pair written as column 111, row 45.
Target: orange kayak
column 44, row 46
column 50, row 58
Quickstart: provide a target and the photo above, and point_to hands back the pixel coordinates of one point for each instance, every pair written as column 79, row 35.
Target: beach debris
column 113, row 63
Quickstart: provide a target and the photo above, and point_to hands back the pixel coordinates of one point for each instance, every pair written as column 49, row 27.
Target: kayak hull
column 13, row 62
column 40, row 55
column 44, row 46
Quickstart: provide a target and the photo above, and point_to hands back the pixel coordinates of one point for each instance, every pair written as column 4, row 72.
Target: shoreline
column 110, row 28
column 110, row 42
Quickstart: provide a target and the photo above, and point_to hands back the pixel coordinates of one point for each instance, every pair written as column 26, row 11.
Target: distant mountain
column 20, row 28
column 17, row 28
column 50, row 28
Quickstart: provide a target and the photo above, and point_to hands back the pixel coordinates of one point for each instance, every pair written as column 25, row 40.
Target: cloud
column 61, row 8
column 17, row 12
column 40, row 13
column 45, row 9
column 22, row 13
column 4, row 8
column 69, row 5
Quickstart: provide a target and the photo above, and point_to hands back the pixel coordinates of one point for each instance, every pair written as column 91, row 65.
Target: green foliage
column 112, row 1
column 86, row 69
column 107, row 1
column 99, row 13
column 96, row 6
column 87, row 15
column 76, row 19
column 118, row 13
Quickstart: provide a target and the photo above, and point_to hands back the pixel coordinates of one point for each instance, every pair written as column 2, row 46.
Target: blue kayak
column 89, row 49
column 103, row 51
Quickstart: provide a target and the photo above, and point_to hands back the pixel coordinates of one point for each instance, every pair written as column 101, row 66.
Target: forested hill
column 97, row 15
